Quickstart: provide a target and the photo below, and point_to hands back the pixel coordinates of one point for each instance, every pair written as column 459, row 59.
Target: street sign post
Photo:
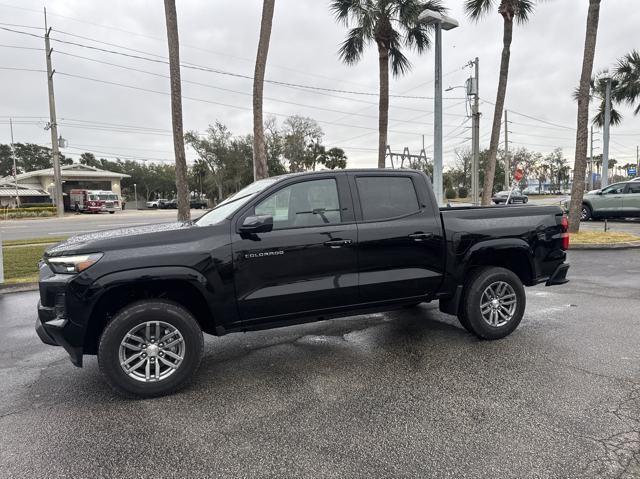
column 517, row 176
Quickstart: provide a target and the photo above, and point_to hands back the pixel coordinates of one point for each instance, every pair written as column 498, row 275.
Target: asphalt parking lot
column 403, row 394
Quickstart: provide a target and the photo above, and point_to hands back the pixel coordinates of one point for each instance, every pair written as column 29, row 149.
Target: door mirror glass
column 257, row 224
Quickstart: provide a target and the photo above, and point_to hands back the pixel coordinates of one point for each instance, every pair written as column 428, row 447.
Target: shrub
column 463, row 192
column 27, row 212
column 36, row 205
column 450, row 193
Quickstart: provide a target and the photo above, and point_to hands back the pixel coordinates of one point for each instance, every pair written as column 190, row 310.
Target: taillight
column 564, row 224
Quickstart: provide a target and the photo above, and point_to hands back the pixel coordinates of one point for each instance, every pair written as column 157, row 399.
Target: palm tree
column 597, row 90
column 182, row 181
column 391, row 25
column 260, row 168
column 582, row 132
column 511, row 10
column 627, row 73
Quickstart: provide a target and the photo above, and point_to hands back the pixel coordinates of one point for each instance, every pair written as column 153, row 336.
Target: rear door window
column 385, row 197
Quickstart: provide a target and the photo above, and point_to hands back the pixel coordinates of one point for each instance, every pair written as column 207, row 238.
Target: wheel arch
column 512, row 254
column 118, row 290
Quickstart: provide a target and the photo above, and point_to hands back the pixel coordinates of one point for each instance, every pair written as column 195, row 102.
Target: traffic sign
column 632, row 171
column 518, row 174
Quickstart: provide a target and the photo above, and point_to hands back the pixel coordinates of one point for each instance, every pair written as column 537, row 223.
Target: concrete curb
column 17, row 288
column 604, row 246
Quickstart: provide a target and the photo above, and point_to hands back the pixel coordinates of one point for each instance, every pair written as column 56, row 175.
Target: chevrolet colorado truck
column 285, row 250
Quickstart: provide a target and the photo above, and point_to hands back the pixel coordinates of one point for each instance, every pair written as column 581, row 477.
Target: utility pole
column 637, row 161
column 507, row 163
column 15, row 170
column 437, row 123
column 53, row 126
column 605, row 137
column 475, row 135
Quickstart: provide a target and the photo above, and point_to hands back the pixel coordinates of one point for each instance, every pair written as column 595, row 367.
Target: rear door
column 308, row 262
column 400, row 240
column 631, row 200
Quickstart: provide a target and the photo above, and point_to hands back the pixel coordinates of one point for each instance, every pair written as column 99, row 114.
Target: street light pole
column 135, row 194
column 440, row 22
column 605, row 133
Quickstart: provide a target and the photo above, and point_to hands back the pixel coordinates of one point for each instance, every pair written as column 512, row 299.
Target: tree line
column 224, row 161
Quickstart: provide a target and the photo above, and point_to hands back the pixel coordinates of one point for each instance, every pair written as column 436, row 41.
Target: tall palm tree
column 260, row 168
column 182, row 181
column 582, row 132
column 510, row 10
column 391, row 25
column 627, row 74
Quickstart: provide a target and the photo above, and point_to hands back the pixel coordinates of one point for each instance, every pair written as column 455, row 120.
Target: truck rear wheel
column 150, row 348
column 493, row 303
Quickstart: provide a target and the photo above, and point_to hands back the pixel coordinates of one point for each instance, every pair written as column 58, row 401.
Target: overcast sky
column 545, row 65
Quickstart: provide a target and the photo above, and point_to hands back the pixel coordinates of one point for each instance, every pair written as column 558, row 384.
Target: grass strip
column 600, row 237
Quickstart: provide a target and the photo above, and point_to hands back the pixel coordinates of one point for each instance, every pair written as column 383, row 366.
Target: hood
column 136, row 236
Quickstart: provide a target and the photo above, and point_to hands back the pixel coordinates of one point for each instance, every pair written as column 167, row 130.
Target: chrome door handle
column 420, row 236
column 338, row 243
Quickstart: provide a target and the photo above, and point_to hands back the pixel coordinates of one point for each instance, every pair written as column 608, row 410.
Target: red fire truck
column 93, row 201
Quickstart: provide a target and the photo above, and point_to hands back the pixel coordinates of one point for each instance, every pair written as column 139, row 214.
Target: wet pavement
column 401, row 394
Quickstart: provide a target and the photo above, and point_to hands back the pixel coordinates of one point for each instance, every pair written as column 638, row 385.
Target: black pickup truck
column 285, row 250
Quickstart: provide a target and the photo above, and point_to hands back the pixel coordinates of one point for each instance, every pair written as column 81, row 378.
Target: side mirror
column 257, row 224
column 599, row 192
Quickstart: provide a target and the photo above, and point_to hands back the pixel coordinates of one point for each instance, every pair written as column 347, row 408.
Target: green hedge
column 450, row 193
column 36, row 205
column 27, row 212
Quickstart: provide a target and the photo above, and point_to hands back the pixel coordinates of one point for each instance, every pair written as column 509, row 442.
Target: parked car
column 620, row 200
column 198, row 204
column 93, row 201
column 286, row 250
column 168, row 204
column 156, row 203
column 516, row 197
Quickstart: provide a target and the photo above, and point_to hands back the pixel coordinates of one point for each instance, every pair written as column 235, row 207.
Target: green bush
column 463, row 192
column 36, row 205
column 450, row 193
column 14, row 213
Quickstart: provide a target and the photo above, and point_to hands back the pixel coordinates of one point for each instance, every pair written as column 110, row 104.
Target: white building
column 38, row 187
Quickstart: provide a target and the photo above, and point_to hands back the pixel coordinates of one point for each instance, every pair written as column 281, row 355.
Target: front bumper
column 559, row 276
column 57, row 331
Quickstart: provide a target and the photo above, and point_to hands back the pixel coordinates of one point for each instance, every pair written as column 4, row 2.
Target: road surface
column 402, row 394
column 83, row 223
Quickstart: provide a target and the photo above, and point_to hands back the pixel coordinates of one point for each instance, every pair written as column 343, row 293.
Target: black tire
column 586, row 214
column 111, row 212
column 525, row 200
column 137, row 314
column 470, row 314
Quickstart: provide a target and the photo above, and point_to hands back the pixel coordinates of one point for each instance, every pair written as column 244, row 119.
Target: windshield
column 108, row 197
column 234, row 202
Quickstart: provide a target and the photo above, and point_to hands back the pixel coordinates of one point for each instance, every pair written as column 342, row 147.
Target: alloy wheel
column 151, row 351
column 498, row 304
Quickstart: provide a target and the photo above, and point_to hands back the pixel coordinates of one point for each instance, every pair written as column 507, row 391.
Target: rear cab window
column 386, row 197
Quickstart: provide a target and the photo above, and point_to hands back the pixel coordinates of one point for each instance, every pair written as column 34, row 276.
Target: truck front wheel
column 150, row 348
column 493, row 303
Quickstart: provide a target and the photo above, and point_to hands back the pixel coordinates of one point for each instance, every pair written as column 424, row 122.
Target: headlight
column 73, row 264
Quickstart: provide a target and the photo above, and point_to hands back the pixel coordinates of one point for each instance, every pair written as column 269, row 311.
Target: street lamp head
column 431, row 17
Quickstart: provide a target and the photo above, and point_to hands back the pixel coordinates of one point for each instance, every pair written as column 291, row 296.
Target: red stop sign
column 518, row 174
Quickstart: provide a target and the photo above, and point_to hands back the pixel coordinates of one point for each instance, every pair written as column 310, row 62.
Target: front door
column 609, row 202
column 308, row 262
column 400, row 242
